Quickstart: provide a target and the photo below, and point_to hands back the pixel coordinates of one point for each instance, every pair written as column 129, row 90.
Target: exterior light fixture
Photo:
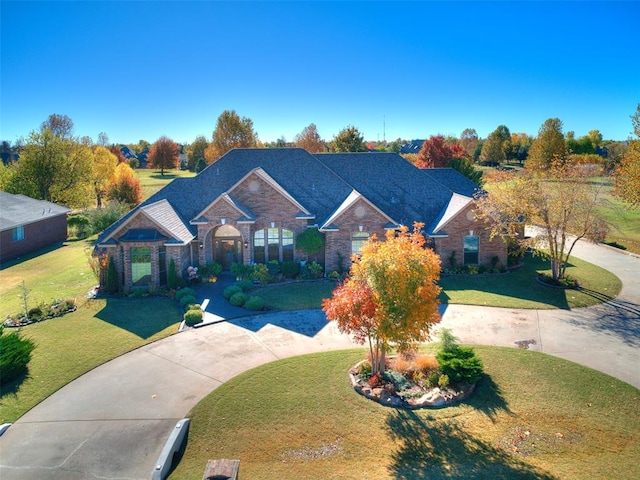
column 201, row 245
column 360, row 227
column 223, row 220
column 273, row 224
column 246, row 244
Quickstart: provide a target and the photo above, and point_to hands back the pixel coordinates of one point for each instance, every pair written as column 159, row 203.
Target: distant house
column 27, row 224
column 413, row 147
column 251, row 204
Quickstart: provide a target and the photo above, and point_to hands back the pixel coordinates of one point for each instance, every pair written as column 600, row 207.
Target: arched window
column 273, row 244
column 358, row 239
column 471, row 245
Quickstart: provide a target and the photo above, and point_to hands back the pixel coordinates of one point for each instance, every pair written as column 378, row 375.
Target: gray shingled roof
column 320, row 183
column 18, row 210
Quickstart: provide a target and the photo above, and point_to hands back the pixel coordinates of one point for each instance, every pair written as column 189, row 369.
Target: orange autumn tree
column 390, row 298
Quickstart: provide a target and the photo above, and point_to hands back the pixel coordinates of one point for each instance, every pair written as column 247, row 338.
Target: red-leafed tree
column 124, row 186
column 391, row 295
column 435, row 153
column 164, row 154
column 118, row 153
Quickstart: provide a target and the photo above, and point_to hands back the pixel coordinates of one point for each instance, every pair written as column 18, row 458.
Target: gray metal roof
column 18, row 210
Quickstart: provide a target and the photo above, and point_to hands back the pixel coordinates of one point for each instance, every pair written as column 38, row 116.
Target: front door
column 227, row 252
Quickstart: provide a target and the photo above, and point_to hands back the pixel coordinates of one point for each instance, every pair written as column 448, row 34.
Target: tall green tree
column 164, row 154
column 469, row 140
column 492, row 150
column 195, row 151
column 231, row 132
column 55, row 169
column 310, row 140
column 627, row 173
column 548, row 147
column 349, row 139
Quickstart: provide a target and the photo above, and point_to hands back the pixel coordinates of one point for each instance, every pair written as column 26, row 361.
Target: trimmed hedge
column 245, row 285
column 193, row 317
column 186, row 301
column 460, row 365
column 231, row 290
column 184, row 292
column 254, row 303
column 238, row 299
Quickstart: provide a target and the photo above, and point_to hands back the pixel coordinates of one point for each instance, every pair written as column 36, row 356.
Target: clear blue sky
column 139, row 70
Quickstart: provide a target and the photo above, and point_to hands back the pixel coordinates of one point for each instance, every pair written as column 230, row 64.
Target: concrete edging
column 171, row 447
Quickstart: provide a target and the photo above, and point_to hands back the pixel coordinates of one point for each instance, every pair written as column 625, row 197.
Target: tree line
column 55, row 165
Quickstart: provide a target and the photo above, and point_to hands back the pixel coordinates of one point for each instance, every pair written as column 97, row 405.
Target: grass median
column 532, row 416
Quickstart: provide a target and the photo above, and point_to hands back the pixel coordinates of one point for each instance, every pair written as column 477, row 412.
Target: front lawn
column 532, row 416
column 517, row 289
column 68, row 346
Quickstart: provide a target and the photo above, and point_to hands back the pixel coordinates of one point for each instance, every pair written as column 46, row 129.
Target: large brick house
column 27, row 224
column 250, row 205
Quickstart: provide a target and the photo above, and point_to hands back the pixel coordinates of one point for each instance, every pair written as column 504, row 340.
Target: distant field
column 623, row 221
column 151, row 180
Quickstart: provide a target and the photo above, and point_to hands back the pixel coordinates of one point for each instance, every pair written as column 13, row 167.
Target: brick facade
column 36, row 235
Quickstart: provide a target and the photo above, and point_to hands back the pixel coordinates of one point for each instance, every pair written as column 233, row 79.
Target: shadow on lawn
column 432, row 448
column 144, row 317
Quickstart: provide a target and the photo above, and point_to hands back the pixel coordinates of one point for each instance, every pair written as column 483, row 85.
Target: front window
column 17, row 233
column 273, row 244
column 471, row 250
column 140, row 265
column 358, row 239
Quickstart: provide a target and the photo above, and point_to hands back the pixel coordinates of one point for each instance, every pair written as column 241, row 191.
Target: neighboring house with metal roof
column 249, row 206
column 27, row 224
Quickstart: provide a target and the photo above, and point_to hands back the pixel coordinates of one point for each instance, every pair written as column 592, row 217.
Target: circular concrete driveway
column 113, row 421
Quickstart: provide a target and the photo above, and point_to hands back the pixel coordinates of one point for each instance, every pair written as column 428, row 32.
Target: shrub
column 290, row 269
column 402, row 364
column 426, row 363
column 184, row 292
column 460, row 364
column 398, row 380
column 365, row 370
column 35, row 314
column 112, row 277
column 194, row 306
column 231, row 290
column 443, row 381
column 187, row 300
column 375, row 380
column 15, row 354
column 254, row 303
column 238, row 299
column 172, row 276
column 193, row 317
column 260, row 273
column 245, row 285
column 314, row 270
column 140, row 292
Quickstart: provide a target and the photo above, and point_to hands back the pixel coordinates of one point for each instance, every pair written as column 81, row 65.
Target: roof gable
column 346, row 204
column 456, row 204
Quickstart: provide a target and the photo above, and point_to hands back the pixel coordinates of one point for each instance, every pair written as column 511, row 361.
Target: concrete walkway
column 113, row 421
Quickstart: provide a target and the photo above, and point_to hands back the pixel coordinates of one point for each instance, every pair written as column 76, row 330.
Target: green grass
column 623, row 222
column 151, row 180
column 278, row 418
column 296, row 295
column 71, row 345
column 519, row 288
column 56, row 272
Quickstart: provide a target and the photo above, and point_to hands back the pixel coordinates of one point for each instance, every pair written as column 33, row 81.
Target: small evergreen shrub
column 172, row 276
column 112, row 277
column 245, row 285
column 460, row 364
column 238, row 299
column 254, row 303
column 398, row 379
column 231, row 290
column 184, row 292
column 15, row 354
column 290, row 269
column 443, row 381
column 187, row 300
column 193, row 317
column 365, row 370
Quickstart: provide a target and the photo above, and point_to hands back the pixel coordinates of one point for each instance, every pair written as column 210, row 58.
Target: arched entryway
column 227, row 246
